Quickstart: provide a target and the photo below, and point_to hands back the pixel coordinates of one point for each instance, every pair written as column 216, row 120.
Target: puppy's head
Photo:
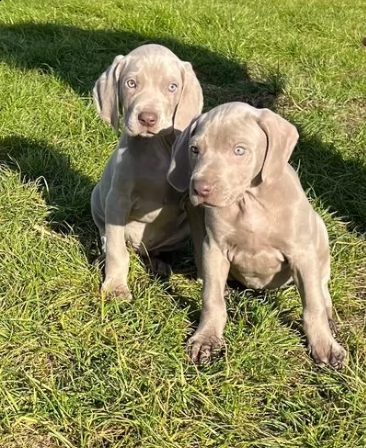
column 229, row 149
column 157, row 92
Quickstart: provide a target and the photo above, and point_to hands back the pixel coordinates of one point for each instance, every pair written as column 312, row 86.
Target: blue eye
column 131, row 83
column 172, row 87
column 239, row 150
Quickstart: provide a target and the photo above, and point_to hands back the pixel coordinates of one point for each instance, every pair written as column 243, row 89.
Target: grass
column 80, row 372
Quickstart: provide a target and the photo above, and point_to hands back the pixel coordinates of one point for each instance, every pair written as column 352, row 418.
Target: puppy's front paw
column 111, row 287
column 327, row 351
column 202, row 347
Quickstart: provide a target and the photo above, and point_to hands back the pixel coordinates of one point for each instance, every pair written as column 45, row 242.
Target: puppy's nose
column 202, row 188
column 147, row 118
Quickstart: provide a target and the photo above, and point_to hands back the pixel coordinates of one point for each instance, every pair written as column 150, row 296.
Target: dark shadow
column 79, row 56
column 66, row 191
column 340, row 183
column 190, row 304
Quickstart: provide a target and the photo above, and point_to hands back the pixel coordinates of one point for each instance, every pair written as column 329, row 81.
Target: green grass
column 80, row 372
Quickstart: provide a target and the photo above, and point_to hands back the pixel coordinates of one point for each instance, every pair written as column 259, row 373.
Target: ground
column 77, row 371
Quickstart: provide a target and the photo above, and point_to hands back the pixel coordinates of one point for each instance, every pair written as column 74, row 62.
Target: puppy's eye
column 131, row 83
column 172, row 87
column 239, row 150
column 193, row 149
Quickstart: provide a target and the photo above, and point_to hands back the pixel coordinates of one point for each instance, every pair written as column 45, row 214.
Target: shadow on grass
column 79, row 56
column 339, row 182
column 66, row 191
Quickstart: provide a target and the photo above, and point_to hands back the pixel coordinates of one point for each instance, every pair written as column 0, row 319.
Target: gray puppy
column 133, row 202
column 260, row 226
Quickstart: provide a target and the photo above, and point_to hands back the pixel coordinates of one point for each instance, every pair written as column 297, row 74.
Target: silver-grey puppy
column 133, row 202
column 260, row 226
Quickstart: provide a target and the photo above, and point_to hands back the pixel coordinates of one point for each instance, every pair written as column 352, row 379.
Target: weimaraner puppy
column 133, row 203
column 260, row 227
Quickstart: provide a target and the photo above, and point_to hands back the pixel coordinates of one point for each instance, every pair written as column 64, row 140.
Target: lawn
column 77, row 371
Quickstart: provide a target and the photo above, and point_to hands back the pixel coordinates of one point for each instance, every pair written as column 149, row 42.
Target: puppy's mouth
column 210, row 201
column 146, row 132
column 206, row 205
column 205, row 202
column 139, row 131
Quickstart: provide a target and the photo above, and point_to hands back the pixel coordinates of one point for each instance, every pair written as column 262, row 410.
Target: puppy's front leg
column 117, row 257
column 306, row 271
column 196, row 218
column 208, row 337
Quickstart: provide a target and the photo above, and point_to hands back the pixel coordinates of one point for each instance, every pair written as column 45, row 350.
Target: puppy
column 259, row 225
column 133, row 203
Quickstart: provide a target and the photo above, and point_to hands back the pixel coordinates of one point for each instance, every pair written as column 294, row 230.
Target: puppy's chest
column 154, row 199
column 250, row 243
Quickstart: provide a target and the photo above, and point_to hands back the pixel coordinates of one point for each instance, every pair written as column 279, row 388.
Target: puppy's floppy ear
column 106, row 92
column 282, row 137
column 191, row 99
column 179, row 172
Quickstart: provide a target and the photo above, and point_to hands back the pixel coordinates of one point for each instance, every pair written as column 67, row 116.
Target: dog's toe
column 328, row 352
column 119, row 291
column 203, row 348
